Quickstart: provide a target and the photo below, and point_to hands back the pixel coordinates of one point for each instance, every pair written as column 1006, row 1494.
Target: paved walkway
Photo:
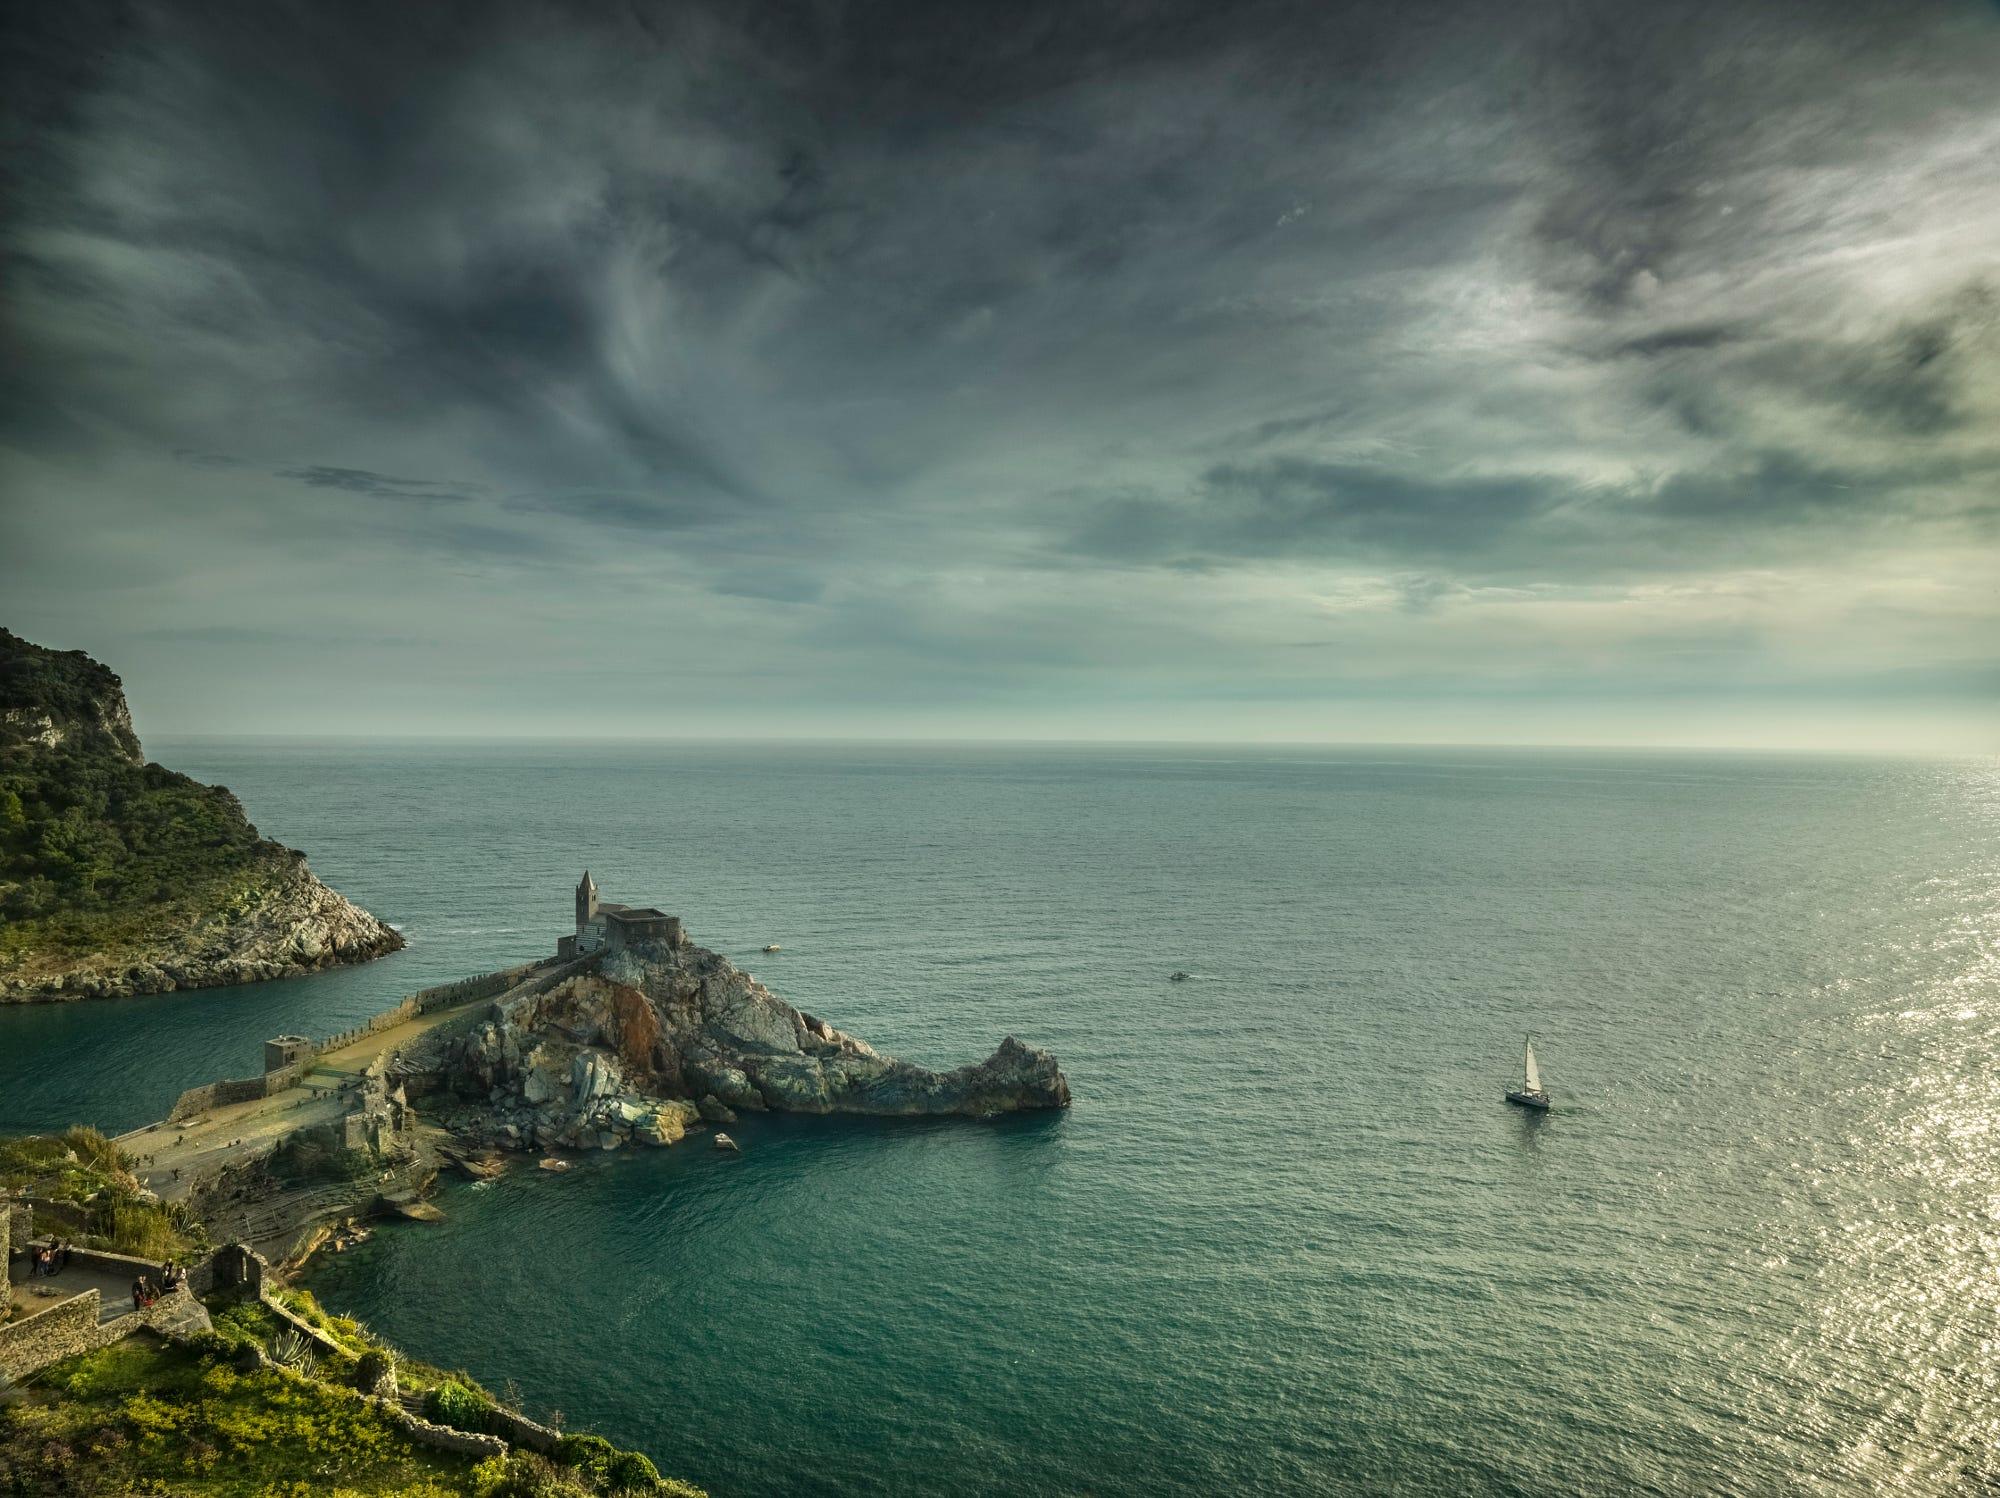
column 172, row 1158
column 114, row 1290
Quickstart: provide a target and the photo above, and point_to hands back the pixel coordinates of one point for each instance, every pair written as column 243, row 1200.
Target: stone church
column 602, row 925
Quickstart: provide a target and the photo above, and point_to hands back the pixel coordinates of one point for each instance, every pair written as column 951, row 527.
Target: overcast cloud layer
column 1578, row 373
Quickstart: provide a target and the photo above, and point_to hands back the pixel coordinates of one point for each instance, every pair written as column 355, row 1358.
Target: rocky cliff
column 660, row 1039
column 122, row 877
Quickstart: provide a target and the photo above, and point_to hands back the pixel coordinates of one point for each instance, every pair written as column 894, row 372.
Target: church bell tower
column 586, row 903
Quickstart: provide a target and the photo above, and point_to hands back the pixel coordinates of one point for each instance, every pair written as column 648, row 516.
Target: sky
column 1575, row 373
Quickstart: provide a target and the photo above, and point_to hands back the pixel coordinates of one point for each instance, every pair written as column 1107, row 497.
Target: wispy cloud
column 1131, row 341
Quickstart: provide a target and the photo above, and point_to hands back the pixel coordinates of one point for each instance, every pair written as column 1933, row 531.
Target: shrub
column 591, row 1454
column 452, row 1403
column 630, row 1470
column 605, row 1467
column 144, row 1231
column 94, row 1150
column 525, row 1475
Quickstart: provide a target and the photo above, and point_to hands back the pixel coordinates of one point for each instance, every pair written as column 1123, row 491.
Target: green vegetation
column 95, row 844
column 599, row 1461
column 96, row 1195
column 240, row 1332
column 139, row 1417
column 452, row 1403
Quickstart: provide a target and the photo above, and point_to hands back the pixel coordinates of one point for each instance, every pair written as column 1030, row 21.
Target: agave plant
column 290, row 1349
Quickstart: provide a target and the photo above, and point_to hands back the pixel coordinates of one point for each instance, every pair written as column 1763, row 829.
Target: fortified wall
column 287, row 1058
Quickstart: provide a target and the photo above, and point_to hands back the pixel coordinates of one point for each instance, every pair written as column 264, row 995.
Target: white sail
column 1534, row 1075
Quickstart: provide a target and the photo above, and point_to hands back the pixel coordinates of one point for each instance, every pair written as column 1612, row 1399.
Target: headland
column 628, row 1034
column 122, row 877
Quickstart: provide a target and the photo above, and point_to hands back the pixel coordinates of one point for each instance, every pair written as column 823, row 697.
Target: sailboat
column 1530, row 1095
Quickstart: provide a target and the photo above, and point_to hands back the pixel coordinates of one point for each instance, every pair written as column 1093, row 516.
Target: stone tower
column 586, row 903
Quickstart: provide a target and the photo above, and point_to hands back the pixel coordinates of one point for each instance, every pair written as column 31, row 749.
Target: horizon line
column 983, row 741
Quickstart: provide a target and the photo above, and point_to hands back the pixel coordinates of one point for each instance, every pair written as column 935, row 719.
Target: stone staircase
column 255, row 1222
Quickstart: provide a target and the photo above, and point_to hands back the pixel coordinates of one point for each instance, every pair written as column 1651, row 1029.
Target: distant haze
column 1570, row 373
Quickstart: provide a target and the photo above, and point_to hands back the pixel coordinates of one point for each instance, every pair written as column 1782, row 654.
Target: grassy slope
column 145, row 1417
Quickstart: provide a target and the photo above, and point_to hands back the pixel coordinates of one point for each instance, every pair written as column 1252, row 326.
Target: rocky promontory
column 658, row 1039
column 118, row 876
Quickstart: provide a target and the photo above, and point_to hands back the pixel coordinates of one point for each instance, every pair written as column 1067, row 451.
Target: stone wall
column 520, row 999
column 302, row 1326
column 6, row 1255
column 522, row 1431
column 235, row 1271
column 212, row 1095
column 62, row 1331
column 429, row 1001
column 388, row 1019
column 486, row 986
column 438, row 1437
column 122, row 1265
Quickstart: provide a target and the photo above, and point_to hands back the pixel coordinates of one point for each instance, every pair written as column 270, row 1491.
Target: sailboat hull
column 1539, row 1101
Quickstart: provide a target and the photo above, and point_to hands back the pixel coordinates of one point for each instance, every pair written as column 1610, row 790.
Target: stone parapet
column 439, row 1437
column 62, row 1331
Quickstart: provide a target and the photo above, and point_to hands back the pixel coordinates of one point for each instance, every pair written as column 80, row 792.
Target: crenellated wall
column 212, row 1095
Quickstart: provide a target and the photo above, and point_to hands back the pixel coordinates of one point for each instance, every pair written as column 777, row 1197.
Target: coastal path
column 172, row 1159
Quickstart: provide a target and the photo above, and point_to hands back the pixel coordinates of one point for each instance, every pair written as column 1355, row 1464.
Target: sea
column 1290, row 1239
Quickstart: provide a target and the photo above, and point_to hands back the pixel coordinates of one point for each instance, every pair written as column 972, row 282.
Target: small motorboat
column 774, row 947
column 1530, row 1094
column 725, row 1143
column 1177, row 976
column 552, row 1163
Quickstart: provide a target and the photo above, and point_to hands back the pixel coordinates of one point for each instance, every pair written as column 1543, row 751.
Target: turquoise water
column 1289, row 1239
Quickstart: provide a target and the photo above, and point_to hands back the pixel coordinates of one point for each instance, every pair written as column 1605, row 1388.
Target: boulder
column 593, row 1077
column 666, row 1124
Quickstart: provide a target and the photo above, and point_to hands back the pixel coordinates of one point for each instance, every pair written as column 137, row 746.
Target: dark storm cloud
column 1545, row 525
column 1014, row 330
column 1290, row 507
column 1669, row 341
column 1923, row 376
column 380, row 485
column 1647, row 112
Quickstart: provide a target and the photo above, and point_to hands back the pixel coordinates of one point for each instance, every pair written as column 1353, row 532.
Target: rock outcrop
column 122, row 877
column 660, row 1040
column 281, row 923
